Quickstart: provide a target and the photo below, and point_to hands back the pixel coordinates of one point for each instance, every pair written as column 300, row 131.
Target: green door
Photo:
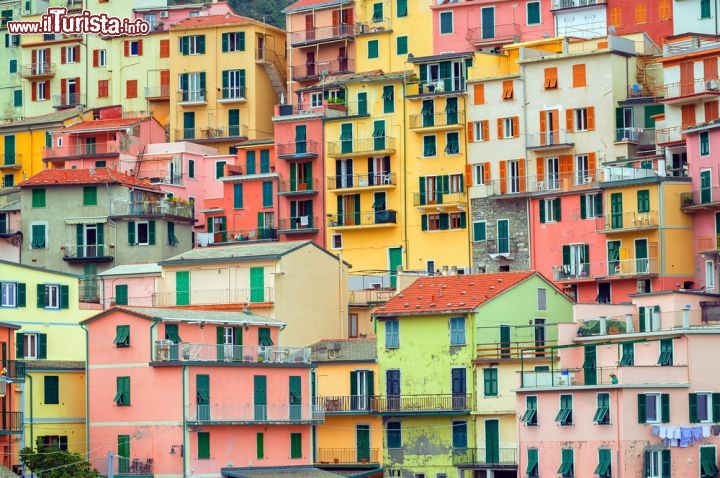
column 233, row 122
column 590, row 365
column 362, row 103
column 9, row 150
column 202, row 390
column 123, row 453
column 260, row 397
column 394, row 261
column 182, row 288
column 641, row 256
column 705, row 188
column 362, row 440
column 428, row 113
column 505, row 341
column 488, row 22
column 295, row 398
column 613, row 257
column 492, row 441
column 257, row 284
column 379, row 135
column 172, row 333
column 451, row 111
column 346, row 138
column 616, row 211
column 300, row 139
column 717, row 230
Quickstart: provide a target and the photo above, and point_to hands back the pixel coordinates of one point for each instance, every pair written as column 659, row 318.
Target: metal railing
column 346, row 181
column 699, row 197
column 568, row 377
column 192, row 96
column 361, row 146
column 82, row 149
column 68, row 100
column 627, row 220
column 440, row 119
column 708, row 243
column 484, row 456
column 298, row 223
column 233, row 93
column 322, row 68
column 697, row 86
column 15, row 370
column 80, row 251
column 345, row 404
column 347, row 456
column 11, row 422
column 297, row 149
column 10, row 159
column 214, row 296
column 669, row 135
column 222, row 413
column 209, row 133
column 621, row 268
column 365, row 218
column 126, row 466
column 258, row 234
column 38, row 70
column 423, row 403
column 549, row 139
column 642, row 136
column 334, row 32
column 560, row 4
column 435, row 86
column 633, row 267
column 89, row 290
column 339, row 108
column 494, row 33
column 503, row 245
column 151, row 208
column 166, row 351
column 438, row 197
column 575, row 271
column 653, row 321
column 542, row 183
column 638, row 170
column 515, row 350
column 298, row 186
column 162, row 91
column 370, row 296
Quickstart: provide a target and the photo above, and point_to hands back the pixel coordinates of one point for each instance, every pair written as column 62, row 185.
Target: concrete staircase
column 272, row 65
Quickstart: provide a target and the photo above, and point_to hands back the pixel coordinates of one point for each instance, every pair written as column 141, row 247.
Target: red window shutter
column 521, row 174
column 47, row 89
column 77, row 88
column 164, row 48
column 592, row 162
column 540, row 169
column 96, row 61
column 63, row 88
column 47, row 55
column 468, row 175
column 470, row 131
column 77, row 54
column 34, row 91
column 139, row 47
column 516, row 126
column 486, row 173
column 63, row 55
column 126, row 45
column 165, row 78
column 34, row 59
column 503, row 177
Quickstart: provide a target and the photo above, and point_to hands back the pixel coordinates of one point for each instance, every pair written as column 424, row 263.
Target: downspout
column 32, row 438
column 154, row 324
column 87, row 395
column 404, row 241
column 530, row 242
column 184, row 423
column 468, row 213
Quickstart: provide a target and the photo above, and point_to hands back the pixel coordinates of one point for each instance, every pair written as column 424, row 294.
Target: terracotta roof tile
column 56, row 177
column 210, row 20
column 461, row 293
column 109, row 123
column 302, row 4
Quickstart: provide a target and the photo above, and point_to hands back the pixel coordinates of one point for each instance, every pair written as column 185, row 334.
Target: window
column 233, row 41
column 708, row 462
column 401, row 46
column 51, row 390
column 457, row 331
column 480, row 131
column 42, row 90
column 39, row 236
column 31, row 346
column 657, row 464
column 392, row 333
column 336, row 241
column 102, row 58
column 131, row 89
column 643, row 200
column 377, row 12
column 259, row 445
column 704, row 143
column 490, row 382
column 237, row 196
column 17, row 98
column 507, row 90
column 191, row 169
column 541, row 299
column 532, row 470
column 529, row 418
column 602, row 413
column 507, row 127
column 533, row 13
column 567, row 463
column 564, row 416
column 12, row 294
column 627, row 357
column 203, row 445
column 373, row 49
column 13, row 66
column 71, row 54
column 550, row 210
column 429, row 146
column 172, row 238
column 479, row 231
column 579, row 75
column 666, row 352
column 452, row 143
column 49, row 296
column 143, row 233
column 122, row 336
column 267, row 193
column 581, row 119
column 446, row 23
column 8, row 180
column 192, row 45
column 54, row 442
column 394, row 435
column 316, row 100
column 653, row 408
column 590, row 206
column 459, row 435
column 388, row 95
column 705, row 9
column 709, row 275
column 90, row 196
column 122, row 394
column 38, row 197
column 133, row 47
column 402, row 8
column 353, row 326
column 702, row 405
column 220, row 169
column 551, row 78
column 103, row 88
column 296, row 445
column 640, row 13
column 604, row 468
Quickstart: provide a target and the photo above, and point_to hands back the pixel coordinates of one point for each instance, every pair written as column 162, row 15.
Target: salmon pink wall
column 140, row 290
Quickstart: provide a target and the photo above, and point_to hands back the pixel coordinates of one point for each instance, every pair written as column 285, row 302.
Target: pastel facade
column 10, row 237
column 695, row 17
column 189, row 357
column 12, row 399
column 11, row 97
column 130, row 284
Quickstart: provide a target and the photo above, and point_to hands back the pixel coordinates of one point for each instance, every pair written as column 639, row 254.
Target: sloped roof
column 177, row 314
column 108, row 124
column 308, row 4
column 275, row 472
column 133, row 269
column 39, row 269
column 61, row 177
column 239, row 252
column 219, row 20
column 344, row 350
column 50, row 118
column 445, row 294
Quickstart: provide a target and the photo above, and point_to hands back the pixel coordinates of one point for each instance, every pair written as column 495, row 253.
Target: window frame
column 530, row 417
column 491, row 376
column 580, row 119
column 452, row 23
column 704, row 145
column 392, row 344
column 388, row 431
column 456, row 332
column 333, row 244
column 52, row 291
column 14, row 295
column 563, row 418
column 657, row 396
column 527, row 13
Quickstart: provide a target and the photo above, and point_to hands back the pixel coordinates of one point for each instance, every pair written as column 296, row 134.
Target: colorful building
column 11, row 97
column 189, row 357
column 10, row 236
column 11, row 400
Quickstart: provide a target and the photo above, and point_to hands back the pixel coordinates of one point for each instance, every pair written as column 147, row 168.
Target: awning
column 86, row 220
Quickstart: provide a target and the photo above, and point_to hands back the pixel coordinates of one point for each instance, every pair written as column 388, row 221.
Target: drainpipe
column 87, row 395
column 468, row 212
column 185, row 452
column 152, row 327
column 403, row 191
column 530, row 242
column 32, row 437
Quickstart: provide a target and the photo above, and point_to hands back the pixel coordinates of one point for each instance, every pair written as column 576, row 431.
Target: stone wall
column 491, row 210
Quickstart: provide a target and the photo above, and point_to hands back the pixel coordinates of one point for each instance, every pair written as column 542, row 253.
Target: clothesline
column 684, row 436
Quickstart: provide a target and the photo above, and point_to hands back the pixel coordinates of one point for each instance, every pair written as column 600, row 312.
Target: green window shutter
column 225, row 42
column 257, row 284
column 665, row 408
column 219, row 169
column 22, row 297
column 64, row 297
column 388, row 99
column 264, row 338
column 402, row 8
column 296, row 445
column 13, row 66
column 666, row 464
column 446, row 23
column 121, row 294
column 203, row 445
column 557, row 210
column 533, row 13
column 693, row 412
column 424, row 222
column 151, row 232
column 42, row 346
column 17, row 98
column 19, row 345
column 598, row 204
column 267, row 194
column 40, row 296
column 583, row 209
column 716, row 407
column 373, row 49
column 250, row 162
column 541, row 209
column 401, row 47
column 38, row 197
column 260, row 390
column 479, row 231
column 238, row 196
column 641, row 408
column 532, row 462
column 259, row 445
column 201, row 44
column 90, row 196
column 182, row 288
column 51, row 389
column 264, row 161
column 643, row 200
column 131, row 233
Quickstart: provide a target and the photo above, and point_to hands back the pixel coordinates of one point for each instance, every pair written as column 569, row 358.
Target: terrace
column 422, row 404
column 214, row 296
column 349, row 148
column 168, row 352
column 382, row 218
column 237, row 414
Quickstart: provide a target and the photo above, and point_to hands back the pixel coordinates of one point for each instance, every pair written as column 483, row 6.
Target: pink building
column 172, row 413
column 466, row 25
column 10, row 226
column 621, row 385
column 162, row 18
column 130, row 284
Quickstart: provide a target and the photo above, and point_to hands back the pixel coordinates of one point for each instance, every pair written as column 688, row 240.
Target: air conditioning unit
column 164, row 14
column 711, row 85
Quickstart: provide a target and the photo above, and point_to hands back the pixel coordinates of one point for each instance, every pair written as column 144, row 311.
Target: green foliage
column 51, row 462
column 269, row 11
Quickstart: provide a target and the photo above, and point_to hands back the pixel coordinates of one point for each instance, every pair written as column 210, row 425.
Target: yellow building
column 345, row 380
column 226, row 74
column 50, row 345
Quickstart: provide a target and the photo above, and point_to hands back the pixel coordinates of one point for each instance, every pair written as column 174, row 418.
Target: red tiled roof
column 56, row 177
column 110, row 123
column 305, row 4
column 210, row 20
column 460, row 293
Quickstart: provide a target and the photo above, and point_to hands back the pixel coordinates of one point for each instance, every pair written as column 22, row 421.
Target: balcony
column 301, row 187
column 15, row 370
column 321, row 35
column 667, row 321
column 563, row 4
column 10, row 160
column 435, row 87
column 346, row 404
column 89, row 291
column 650, row 374
column 157, row 93
column 347, row 456
column 631, row 268
column 369, row 219
column 214, row 296
column 571, row 272
column 298, row 150
column 11, row 423
column 370, row 296
column 423, row 123
column 233, row 94
column 81, row 150
column 313, row 71
column 485, row 457
column 550, row 140
column 641, row 136
column 204, row 239
column 353, row 182
column 87, row 253
column 253, row 414
column 438, row 199
column 166, row 351
column 626, row 221
column 497, row 34
column 361, row 147
column 37, row 71
column 340, row 109
column 423, row 404
column 299, row 225
column 709, row 244
column 504, row 247
column 543, row 184
column 192, row 97
column 669, row 136
column 691, row 91
column 209, row 134
column 69, row 100
column 707, row 199
column 152, row 209
column 127, row 467
column 509, row 351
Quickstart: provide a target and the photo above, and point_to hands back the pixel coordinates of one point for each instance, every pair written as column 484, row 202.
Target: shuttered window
column 38, row 197
column 90, row 196
column 490, row 382
column 122, row 394
column 122, row 336
column 203, row 446
column 296, row 445
column 530, row 415
column 51, row 389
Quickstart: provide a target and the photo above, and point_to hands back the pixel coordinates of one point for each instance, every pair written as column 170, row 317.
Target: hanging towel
column 685, row 437
column 705, row 431
column 715, row 430
column 663, row 432
column 676, row 433
column 655, row 431
column 697, row 433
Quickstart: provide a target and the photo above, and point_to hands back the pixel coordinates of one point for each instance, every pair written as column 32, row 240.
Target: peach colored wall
column 151, row 441
column 101, row 349
column 192, row 334
column 140, row 290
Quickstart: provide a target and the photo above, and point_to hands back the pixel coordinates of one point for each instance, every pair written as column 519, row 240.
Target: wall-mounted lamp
column 179, row 447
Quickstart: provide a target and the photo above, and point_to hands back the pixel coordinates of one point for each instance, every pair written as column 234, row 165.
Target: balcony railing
column 38, row 70
column 297, row 187
column 298, row 224
column 88, row 252
column 626, row 221
column 322, row 34
column 560, row 4
column 347, row 181
column 88, row 150
column 568, row 377
column 209, row 134
column 157, row 92
column 339, row 109
column 253, row 414
column 484, row 456
column 126, row 467
column 437, row 120
column 550, row 139
column 166, row 351
column 152, row 208
column 69, row 100
column 621, row 268
column 345, row 404
column 323, row 68
column 89, row 291
column 241, row 235
column 653, row 322
column 297, row 149
column 508, row 32
column 9, row 160
column 361, row 146
column 700, row 198
column 669, row 135
column 437, row 198
column 577, row 271
column 232, row 93
column 708, row 244
column 506, row 246
column 11, row 422
column 347, row 456
column 370, row 296
column 543, row 183
column 214, row 296
column 436, row 86
column 366, row 218
column 15, row 370
column 423, row 403
column 698, row 86
column 515, row 350
column 192, row 97
column 643, row 136
column 633, row 267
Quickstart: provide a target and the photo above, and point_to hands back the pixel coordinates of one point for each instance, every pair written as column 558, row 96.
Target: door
column 342, row 59
column 513, row 177
column 295, row 398
column 613, row 256
column 379, row 135
column 451, row 111
column 362, row 443
column 394, row 261
column 487, row 15
column 9, row 150
column 182, row 288
column 641, row 256
column 202, row 390
column 459, row 388
column 590, row 365
column 392, row 382
column 309, row 28
column 310, row 64
column 361, row 389
column 687, row 78
column 260, row 397
column 505, row 341
column 123, row 453
column 188, row 125
column 539, row 333
column 616, row 211
column 257, row 284
column 705, row 188
column 428, row 113
column 492, row 441
column 362, row 103
column 172, row 334
column 552, row 173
